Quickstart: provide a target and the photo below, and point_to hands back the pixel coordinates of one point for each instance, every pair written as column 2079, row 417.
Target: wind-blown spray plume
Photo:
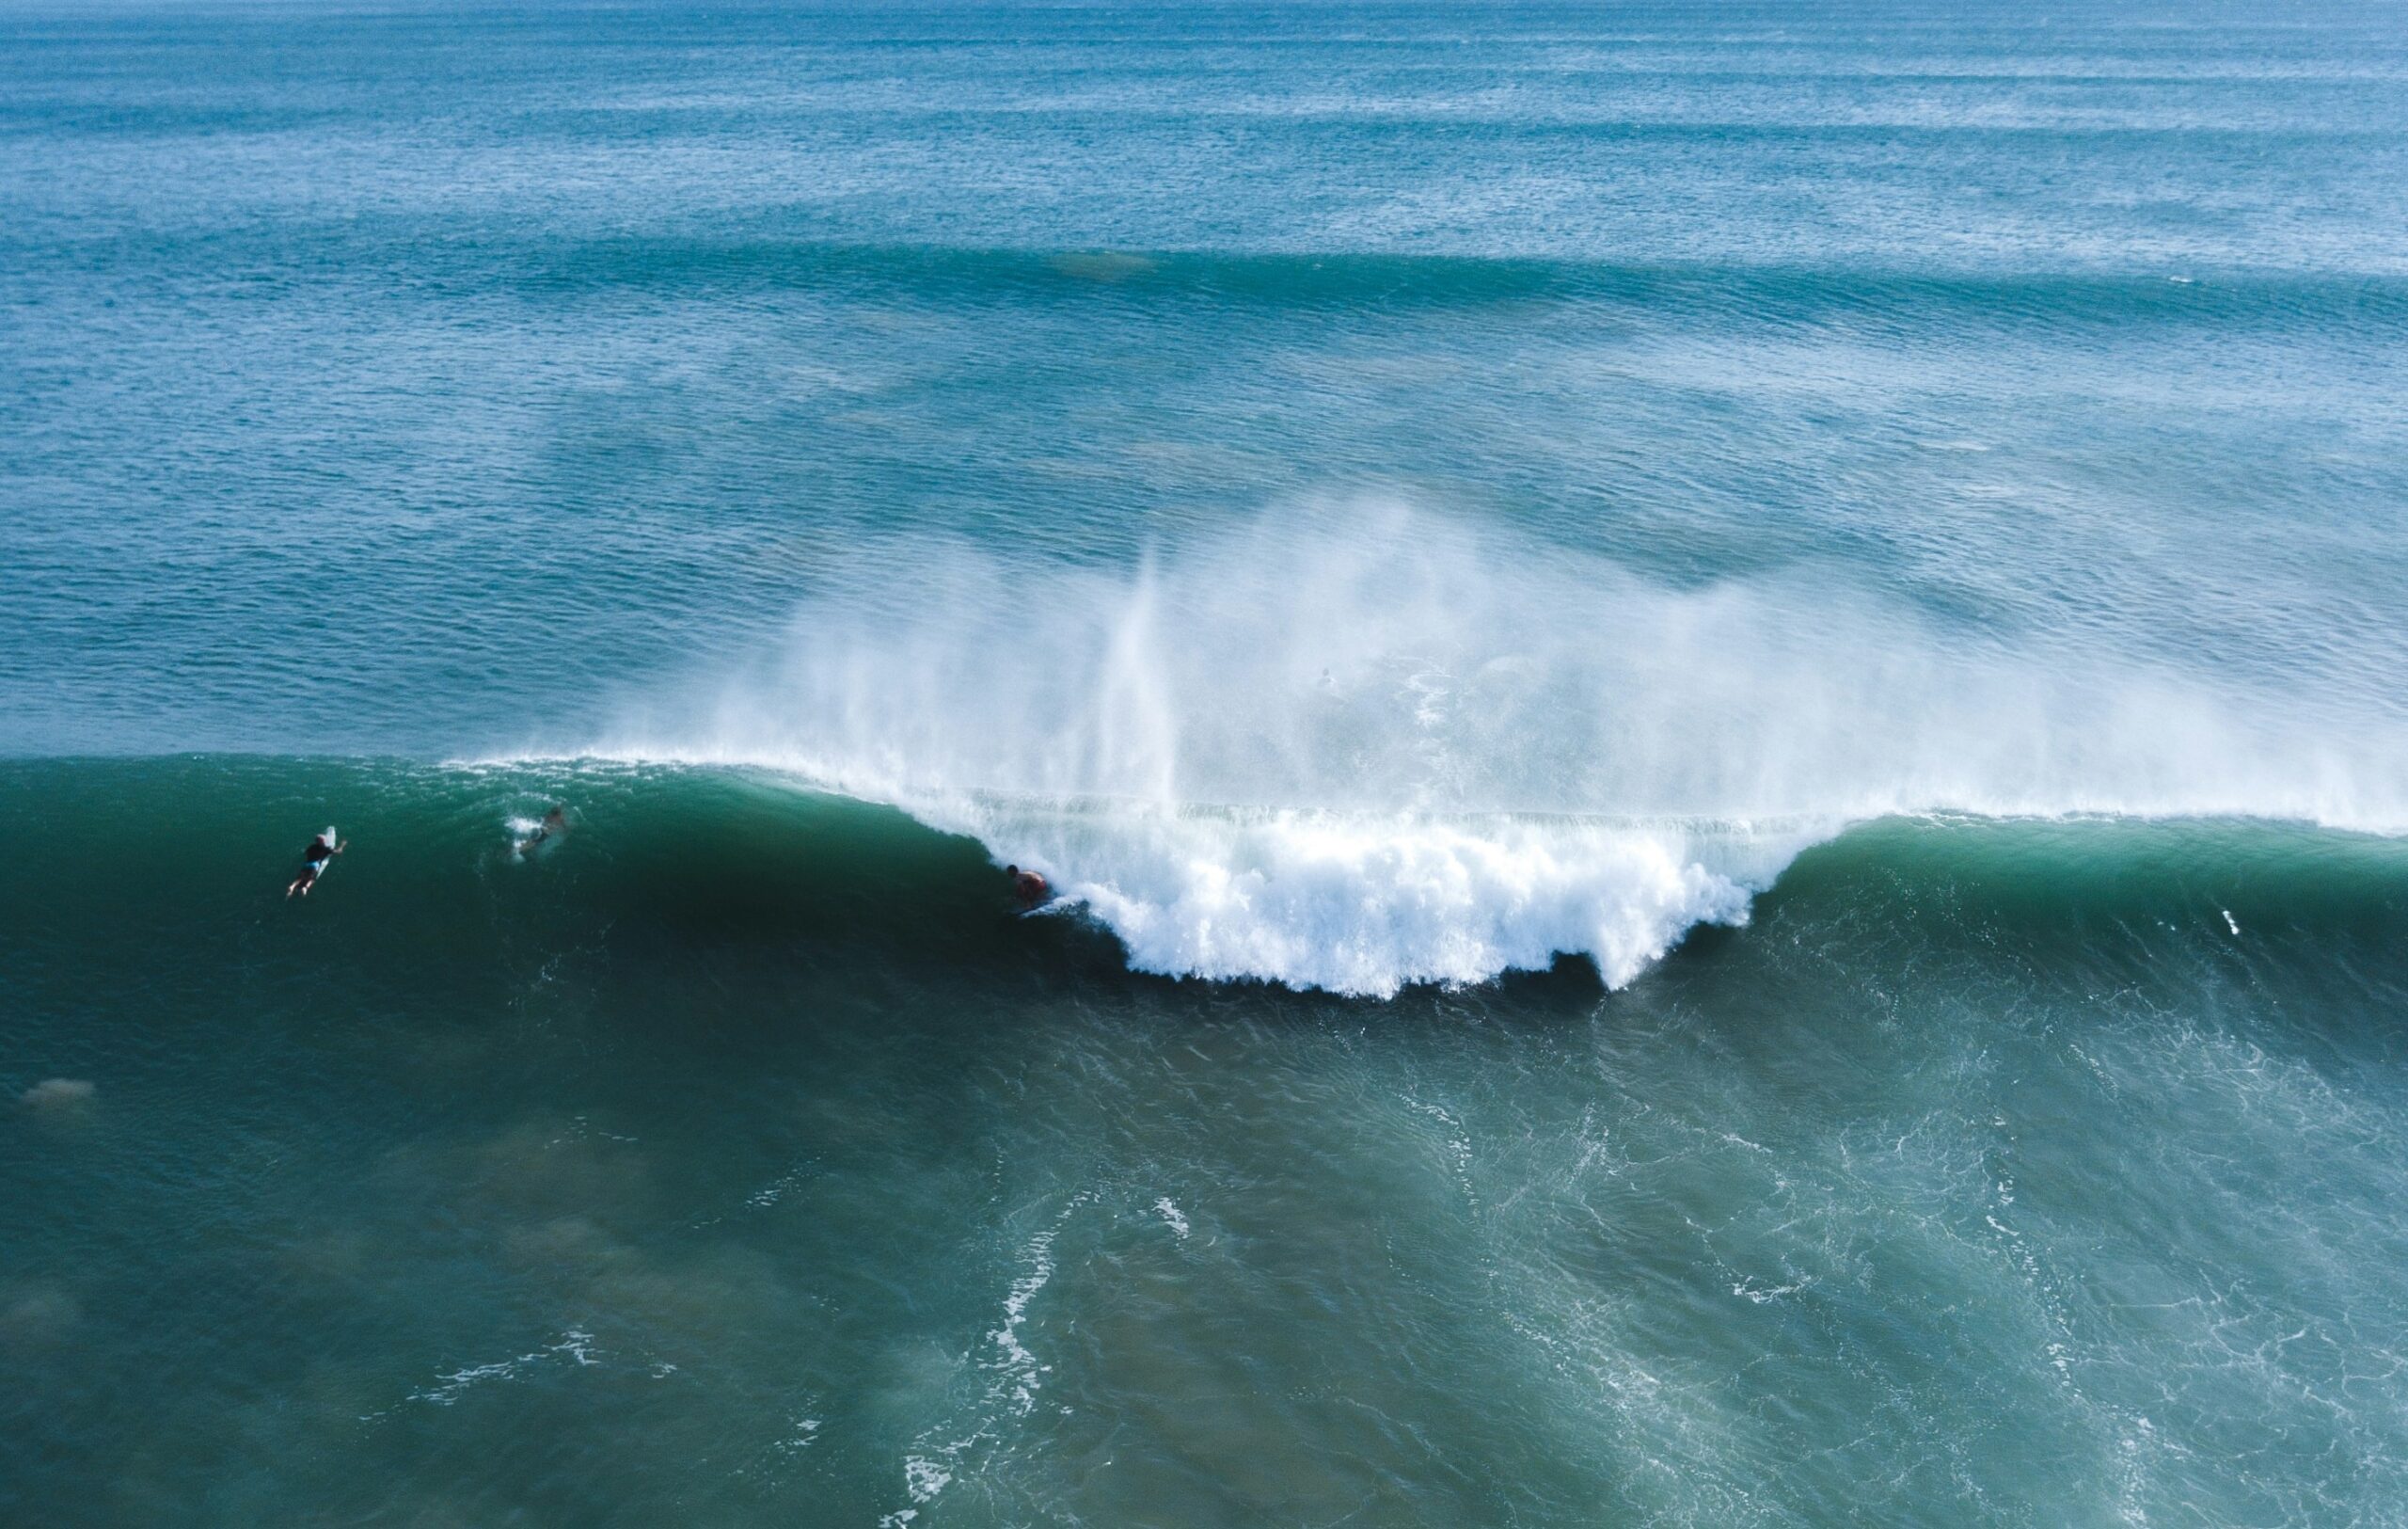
column 1355, row 747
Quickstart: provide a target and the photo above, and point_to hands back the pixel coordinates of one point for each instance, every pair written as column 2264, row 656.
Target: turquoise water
column 1713, row 691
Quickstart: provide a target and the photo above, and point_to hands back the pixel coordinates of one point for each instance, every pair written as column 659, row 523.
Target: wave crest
column 1432, row 755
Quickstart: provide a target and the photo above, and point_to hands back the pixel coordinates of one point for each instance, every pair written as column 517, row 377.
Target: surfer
column 314, row 860
column 555, row 823
column 1027, row 885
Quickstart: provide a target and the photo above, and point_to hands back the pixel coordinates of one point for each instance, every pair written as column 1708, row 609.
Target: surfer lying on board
column 555, row 823
column 1027, row 885
column 313, row 861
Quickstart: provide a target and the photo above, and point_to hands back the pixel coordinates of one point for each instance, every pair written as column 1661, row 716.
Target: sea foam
column 1365, row 902
column 1355, row 746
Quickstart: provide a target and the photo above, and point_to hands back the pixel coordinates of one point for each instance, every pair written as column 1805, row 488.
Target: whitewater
column 1354, row 745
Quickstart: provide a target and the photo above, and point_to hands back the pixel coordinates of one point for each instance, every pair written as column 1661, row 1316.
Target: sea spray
column 1356, row 745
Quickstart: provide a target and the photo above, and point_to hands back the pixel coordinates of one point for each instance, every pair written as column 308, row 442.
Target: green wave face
column 771, row 870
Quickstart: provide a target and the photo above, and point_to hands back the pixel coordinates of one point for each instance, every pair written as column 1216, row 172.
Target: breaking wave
column 1355, row 746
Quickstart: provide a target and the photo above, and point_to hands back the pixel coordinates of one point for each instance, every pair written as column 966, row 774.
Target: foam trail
column 1355, row 746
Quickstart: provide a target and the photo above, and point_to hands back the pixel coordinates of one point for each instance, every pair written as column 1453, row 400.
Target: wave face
column 702, row 859
column 1355, row 746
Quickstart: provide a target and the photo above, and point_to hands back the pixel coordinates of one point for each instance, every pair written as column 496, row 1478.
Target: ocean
column 1712, row 692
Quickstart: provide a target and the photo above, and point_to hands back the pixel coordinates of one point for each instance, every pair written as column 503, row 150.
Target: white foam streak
column 1353, row 747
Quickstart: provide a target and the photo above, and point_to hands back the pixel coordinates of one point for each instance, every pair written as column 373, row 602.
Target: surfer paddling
column 314, row 861
column 1027, row 885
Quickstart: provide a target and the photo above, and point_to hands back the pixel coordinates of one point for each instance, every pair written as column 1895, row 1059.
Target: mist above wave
column 1439, row 752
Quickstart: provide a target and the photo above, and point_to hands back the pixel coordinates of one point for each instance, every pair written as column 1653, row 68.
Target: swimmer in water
column 554, row 825
column 313, row 864
column 1027, row 885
